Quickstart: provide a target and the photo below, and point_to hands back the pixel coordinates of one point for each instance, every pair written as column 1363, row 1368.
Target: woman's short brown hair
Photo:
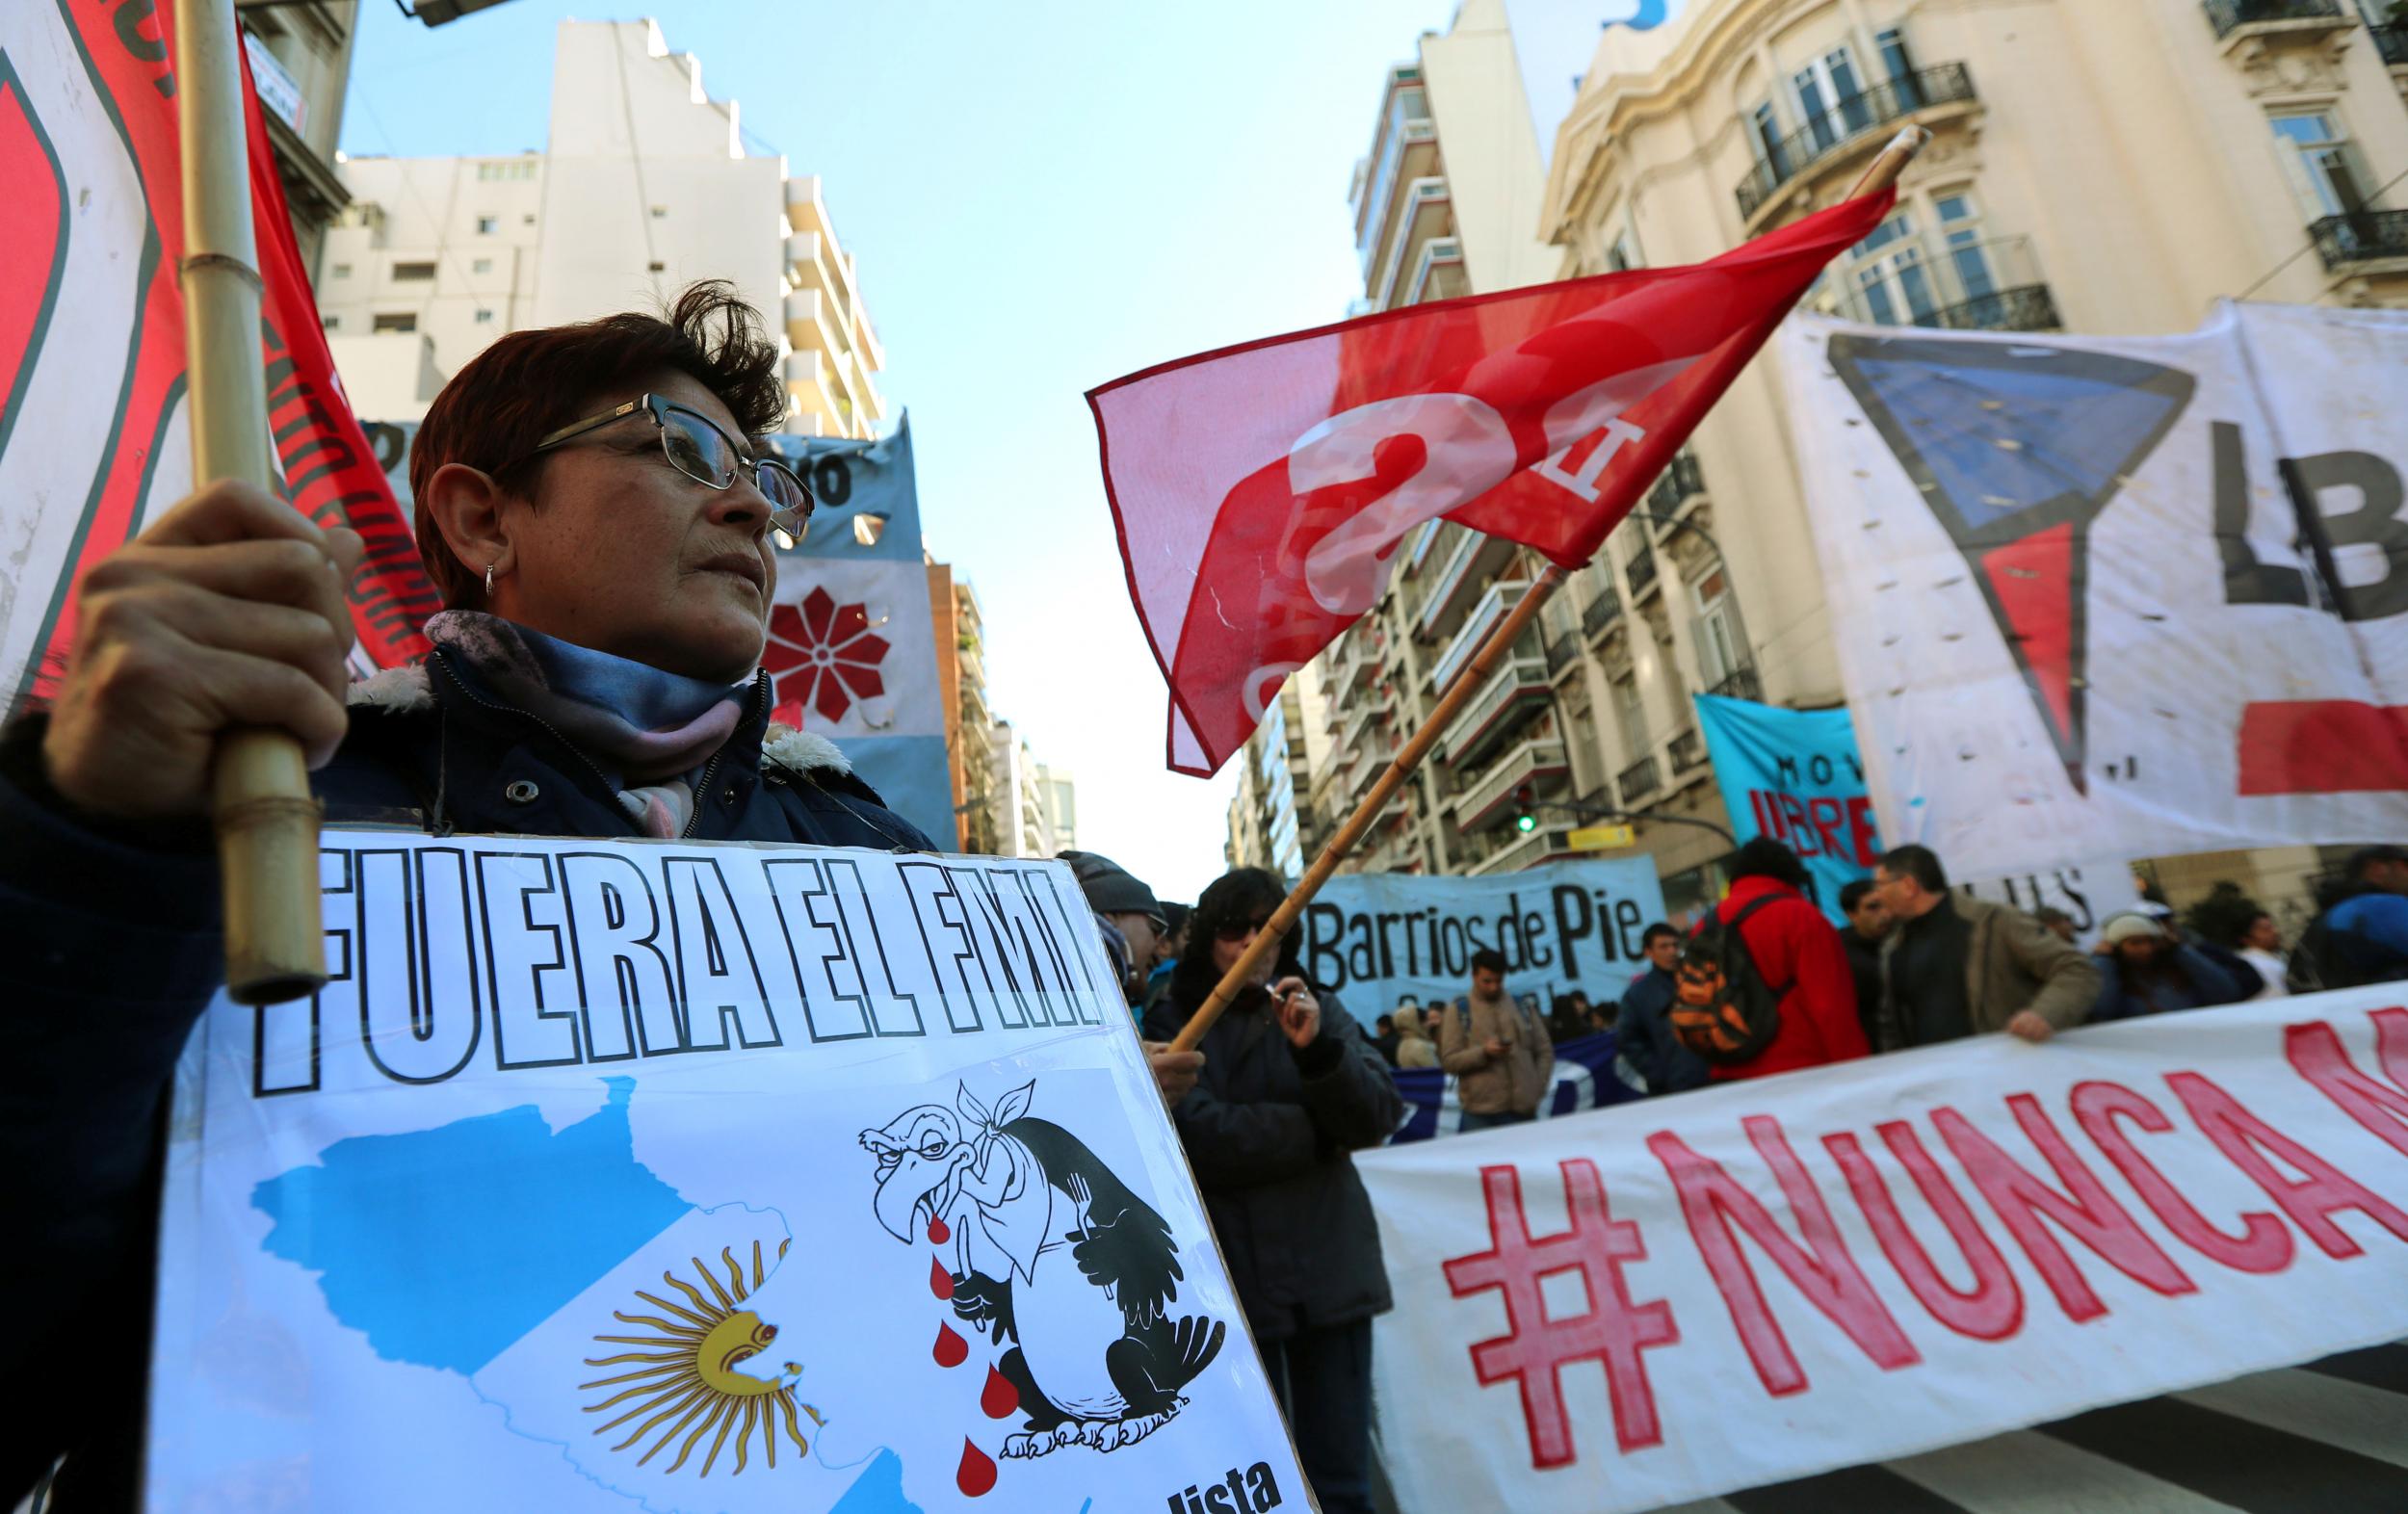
column 531, row 383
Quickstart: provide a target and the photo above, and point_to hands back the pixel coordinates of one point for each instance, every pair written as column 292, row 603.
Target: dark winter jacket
column 1269, row 1130
column 2186, row 979
column 112, row 938
column 1647, row 1042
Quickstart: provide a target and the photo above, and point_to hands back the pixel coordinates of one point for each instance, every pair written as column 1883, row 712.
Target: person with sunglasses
column 598, row 509
column 1289, row 1088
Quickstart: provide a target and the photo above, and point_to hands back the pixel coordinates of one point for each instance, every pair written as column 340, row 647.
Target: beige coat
column 1512, row 1084
column 1417, row 1050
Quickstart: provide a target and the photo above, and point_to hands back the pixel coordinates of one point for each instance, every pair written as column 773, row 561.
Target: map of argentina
column 599, row 1309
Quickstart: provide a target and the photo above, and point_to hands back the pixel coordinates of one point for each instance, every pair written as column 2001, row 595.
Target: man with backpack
column 1499, row 1051
column 1763, row 982
column 2361, row 934
column 1959, row 966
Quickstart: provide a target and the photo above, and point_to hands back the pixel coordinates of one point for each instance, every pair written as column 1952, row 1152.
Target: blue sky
column 1042, row 197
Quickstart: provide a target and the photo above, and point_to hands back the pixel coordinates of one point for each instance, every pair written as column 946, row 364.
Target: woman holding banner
column 1290, row 1086
column 597, row 513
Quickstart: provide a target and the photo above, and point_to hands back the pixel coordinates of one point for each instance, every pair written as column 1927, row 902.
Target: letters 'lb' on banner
column 93, row 410
column 2117, row 595
column 700, row 1177
column 1260, row 491
column 1795, row 776
column 1377, row 937
column 852, row 650
column 1671, row 1299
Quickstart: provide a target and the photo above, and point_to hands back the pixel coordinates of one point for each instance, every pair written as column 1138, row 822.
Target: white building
column 643, row 188
column 1036, row 807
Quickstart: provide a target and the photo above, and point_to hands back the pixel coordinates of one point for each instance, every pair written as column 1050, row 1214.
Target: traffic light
column 1524, row 820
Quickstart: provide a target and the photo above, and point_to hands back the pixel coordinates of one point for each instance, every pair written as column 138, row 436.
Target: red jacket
column 1791, row 943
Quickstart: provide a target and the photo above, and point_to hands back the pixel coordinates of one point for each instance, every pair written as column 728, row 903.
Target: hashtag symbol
column 1535, row 1349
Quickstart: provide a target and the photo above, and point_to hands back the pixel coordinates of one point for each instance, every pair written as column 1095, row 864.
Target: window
column 406, row 322
column 2323, row 165
column 413, row 272
column 657, row 266
column 1766, row 130
column 1721, row 639
column 342, row 271
column 486, row 226
column 1623, row 255
column 485, row 317
column 332, row 322
column 1890, row 280
column 1631, row 712
column 1829, row 99
column 1968, row 253
column 483, row 265
column 660, row 212
column 1896, row 61
column 528, row 219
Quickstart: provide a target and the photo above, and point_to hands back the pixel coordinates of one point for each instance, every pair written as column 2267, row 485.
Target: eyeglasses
column 1238, row 930
column 696, row 447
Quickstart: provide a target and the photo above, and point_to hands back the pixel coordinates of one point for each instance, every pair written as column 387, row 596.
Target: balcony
column 1437, row 273
column 1427, row 207
column 1682, row 482
column 1513, row 693
column 2245, row 16
column 1366, row 765
column 1476, row 557
column 1552, row 838
column 1642, row 572
column 1485, row 617
column 1562, row 653
column 1599, row 613
column 2390, row 42
column 1990, row 285
column 1742, row 684
column 1687, row 753
column 1358, row 721
column 2361, row 237
column 1488, row 799
column 1638, row 782
column 1853, row 118
column 1358, row 659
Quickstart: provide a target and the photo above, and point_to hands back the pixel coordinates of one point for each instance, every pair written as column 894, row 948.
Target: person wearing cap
column 1126, row 914
column 2145, row 969
column 1167, row 952
column 1957, row 966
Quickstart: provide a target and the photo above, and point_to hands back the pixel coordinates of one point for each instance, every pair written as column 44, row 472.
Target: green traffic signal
column 1525, row 823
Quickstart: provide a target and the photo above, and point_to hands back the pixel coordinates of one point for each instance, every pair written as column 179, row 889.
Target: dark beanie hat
column 1110, row 888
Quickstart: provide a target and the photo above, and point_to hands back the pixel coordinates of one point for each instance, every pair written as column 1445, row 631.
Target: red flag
column 92, row 402
column 1260, row 491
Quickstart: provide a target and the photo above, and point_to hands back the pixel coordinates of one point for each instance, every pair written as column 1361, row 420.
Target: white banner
column 709, row 1177
column 1676, row 1298
column 1376, row 937
column 2077, row 610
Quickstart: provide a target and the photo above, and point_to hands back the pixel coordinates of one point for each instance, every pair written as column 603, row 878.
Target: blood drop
column 939, row 1231
column 952, row 1350
column 978, row 1471
column 1000, row 1397
column 940, row 1281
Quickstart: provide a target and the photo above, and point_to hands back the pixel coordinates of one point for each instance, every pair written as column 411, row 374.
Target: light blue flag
column 1795, row 776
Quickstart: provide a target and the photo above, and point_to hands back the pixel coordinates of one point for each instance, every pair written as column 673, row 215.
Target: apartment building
column 300, row 62
column 962, row 683
column 2094, row 168
column 643, row 187
column 1274, row 824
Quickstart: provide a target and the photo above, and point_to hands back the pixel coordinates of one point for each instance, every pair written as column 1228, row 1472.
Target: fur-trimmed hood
column 409, row 690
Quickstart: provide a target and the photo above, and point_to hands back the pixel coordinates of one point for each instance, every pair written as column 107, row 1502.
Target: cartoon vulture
column 1053, row 1257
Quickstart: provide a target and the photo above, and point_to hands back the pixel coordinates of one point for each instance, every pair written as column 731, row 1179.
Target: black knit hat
column 1111, row 889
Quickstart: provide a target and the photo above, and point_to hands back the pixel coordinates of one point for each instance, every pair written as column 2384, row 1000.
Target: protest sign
column 1586, row 1076
column 2114, row 596
column 1376, row 937
column 709, row 1177
column 1675, row 1298
column 1795, row 776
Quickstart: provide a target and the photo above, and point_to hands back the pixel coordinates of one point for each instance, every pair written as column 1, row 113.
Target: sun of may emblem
column 683, row 1376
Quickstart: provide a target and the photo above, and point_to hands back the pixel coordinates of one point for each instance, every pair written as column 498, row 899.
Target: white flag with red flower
column 853, row 652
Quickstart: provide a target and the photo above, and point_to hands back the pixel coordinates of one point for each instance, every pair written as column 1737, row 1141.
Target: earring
column 489, row 580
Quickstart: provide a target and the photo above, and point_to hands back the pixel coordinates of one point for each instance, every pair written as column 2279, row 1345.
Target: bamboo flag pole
column 1879, row 175
column 267, row 822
